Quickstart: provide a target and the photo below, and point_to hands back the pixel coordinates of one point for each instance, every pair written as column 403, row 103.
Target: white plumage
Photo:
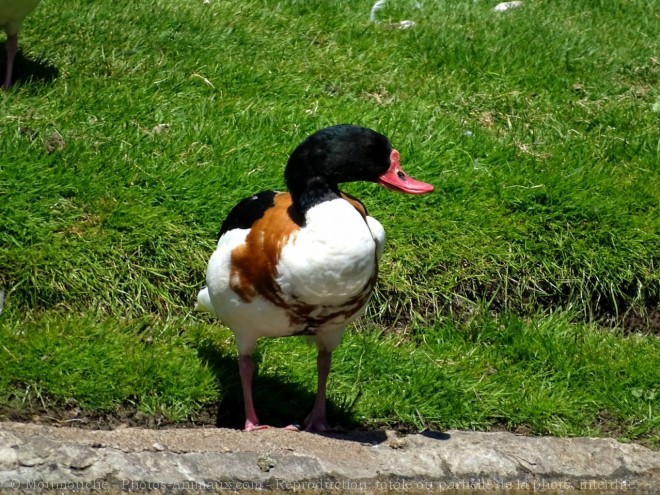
column 327, row 264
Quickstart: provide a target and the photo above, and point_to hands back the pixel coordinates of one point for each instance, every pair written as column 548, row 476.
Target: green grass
column 538, row 126
column 462, row 377
column 99, row 365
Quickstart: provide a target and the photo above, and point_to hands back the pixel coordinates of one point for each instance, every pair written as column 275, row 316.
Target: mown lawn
column 523, row 294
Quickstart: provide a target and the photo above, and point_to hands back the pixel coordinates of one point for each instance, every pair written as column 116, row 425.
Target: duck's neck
column 314, row 191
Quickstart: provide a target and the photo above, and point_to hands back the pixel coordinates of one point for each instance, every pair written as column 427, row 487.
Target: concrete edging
column 64, row 459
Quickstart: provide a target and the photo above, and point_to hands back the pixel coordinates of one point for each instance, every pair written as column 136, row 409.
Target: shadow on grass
column 26, row 69
column 278, row 402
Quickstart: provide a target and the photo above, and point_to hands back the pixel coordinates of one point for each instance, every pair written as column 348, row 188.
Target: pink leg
column 12, row 48
column 316, row 420
column 246, row 370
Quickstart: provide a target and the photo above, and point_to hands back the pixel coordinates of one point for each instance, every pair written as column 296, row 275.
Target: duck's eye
column 401, row 175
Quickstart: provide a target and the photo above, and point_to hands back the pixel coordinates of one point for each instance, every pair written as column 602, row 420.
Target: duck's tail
column 204, row 301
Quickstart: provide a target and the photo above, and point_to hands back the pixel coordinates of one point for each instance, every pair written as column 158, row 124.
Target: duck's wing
column 241, row 217
column 248, row 211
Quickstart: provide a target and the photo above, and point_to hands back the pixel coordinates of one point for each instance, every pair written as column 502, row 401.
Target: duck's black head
column 344, row 153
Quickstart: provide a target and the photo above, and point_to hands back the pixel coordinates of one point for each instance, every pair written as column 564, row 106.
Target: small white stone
column 160, row 128
column 501, row 7
column 407, row 24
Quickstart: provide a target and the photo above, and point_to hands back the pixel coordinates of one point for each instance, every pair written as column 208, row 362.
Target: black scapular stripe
column 248, row 211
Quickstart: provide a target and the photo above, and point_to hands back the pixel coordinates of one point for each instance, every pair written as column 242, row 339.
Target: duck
column 12, row 14
column 304, row 262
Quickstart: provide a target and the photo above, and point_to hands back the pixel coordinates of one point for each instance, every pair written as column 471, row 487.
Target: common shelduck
column 304, row 262
column 12, row 13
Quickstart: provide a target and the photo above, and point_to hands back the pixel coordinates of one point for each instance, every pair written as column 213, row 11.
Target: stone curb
column 63, row 459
